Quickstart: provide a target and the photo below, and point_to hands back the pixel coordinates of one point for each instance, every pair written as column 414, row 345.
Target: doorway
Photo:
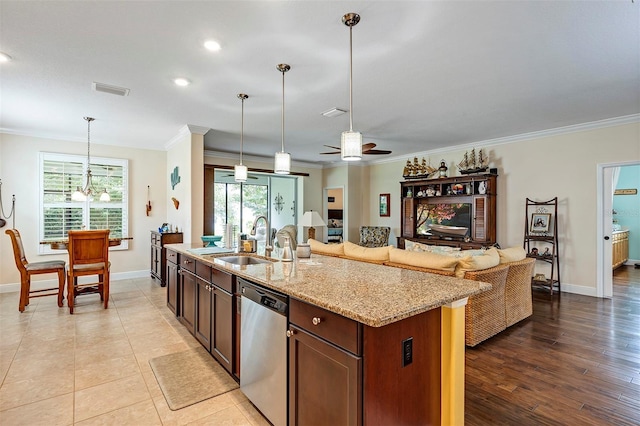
column 334, row 212
column 605, row 220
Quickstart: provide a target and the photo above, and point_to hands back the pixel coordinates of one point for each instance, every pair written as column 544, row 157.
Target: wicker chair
column 485, row 313
column 517, row 291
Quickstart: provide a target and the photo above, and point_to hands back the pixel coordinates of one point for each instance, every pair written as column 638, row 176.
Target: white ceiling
column 426, row 74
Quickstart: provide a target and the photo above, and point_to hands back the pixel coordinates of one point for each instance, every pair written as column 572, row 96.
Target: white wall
column 563, row 166
column 19, row 166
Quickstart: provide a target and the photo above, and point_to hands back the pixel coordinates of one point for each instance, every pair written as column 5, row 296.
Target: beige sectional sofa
column 509, row 272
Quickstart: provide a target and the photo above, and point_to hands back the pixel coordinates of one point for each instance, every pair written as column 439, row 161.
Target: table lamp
column 312, row 219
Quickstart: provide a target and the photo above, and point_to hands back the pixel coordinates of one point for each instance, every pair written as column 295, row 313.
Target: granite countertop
column 375, row 295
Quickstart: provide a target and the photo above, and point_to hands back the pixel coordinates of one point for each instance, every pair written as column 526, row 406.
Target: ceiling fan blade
column 336, row 152
column 377, row 152
column 333, row 147
column 368, row 146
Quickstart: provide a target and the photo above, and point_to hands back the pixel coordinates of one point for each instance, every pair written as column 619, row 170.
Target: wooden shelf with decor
column 456, row 202
column 541, row 233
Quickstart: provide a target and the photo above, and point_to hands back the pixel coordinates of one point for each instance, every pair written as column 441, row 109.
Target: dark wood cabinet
column 324, row 382
column 159, row 255
column 462, row 202
column 208, row 309
column 222, row 335
column 343, row 372
column 203, row 324
column 171, row 277
column 187, row 316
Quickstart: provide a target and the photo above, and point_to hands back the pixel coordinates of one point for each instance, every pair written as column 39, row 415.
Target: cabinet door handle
column 186, row 262
column 290, row 333
column 316, row 320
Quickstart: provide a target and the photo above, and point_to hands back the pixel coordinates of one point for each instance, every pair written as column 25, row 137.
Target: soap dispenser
column 287, row 254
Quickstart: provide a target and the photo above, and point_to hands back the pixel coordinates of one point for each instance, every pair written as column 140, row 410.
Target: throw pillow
column 371, row 254
column 488, row 259
column 328, row 249
column 420, row 247
column 512, row 254
column 423, row 260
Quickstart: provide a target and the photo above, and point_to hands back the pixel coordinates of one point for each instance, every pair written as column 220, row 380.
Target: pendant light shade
column 351, row 142
column 282, row 163
column 88, row 191
column 240, row 170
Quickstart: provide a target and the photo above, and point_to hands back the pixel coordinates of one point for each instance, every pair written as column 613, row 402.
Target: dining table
column 62, row 243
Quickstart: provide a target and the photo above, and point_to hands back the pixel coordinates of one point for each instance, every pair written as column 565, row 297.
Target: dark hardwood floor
column 576, row 361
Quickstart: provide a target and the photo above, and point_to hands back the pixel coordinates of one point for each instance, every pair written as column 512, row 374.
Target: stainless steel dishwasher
column 263, row 350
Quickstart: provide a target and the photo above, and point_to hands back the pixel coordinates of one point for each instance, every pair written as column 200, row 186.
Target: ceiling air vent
column 333, row 112
column 107, row 88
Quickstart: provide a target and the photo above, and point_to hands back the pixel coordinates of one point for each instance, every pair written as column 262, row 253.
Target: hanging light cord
column 241, row 129
column 351, row 77
column 283, row 71
column 89, row 120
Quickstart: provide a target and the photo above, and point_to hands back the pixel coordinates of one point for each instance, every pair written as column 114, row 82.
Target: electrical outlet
column 407, row 351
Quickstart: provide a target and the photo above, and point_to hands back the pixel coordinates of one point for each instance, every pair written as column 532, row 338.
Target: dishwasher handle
column 268, row 299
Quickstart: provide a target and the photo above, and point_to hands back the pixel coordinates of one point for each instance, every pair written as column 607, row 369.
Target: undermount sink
column 243, row 260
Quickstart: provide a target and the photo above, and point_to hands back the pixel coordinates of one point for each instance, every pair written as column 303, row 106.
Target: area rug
column 189, row 377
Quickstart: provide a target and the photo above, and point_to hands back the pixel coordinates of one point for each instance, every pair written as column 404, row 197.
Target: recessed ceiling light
column 181, row 82
column 333, row 112
column 4, row 57
column 212, row 45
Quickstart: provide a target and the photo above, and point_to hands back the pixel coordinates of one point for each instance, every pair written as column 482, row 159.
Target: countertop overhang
column 372, row 294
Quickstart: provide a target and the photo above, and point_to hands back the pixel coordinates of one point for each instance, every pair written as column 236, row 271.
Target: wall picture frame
column 384, row 205
column 540, row 222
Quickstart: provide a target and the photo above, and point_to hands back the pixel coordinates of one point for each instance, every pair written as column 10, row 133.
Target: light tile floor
column 92, row 367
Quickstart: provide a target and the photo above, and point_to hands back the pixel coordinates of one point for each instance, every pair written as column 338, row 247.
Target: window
column 239, row 204
column 60, row 174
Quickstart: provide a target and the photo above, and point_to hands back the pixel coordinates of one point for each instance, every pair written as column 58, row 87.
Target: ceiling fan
column 367, row 148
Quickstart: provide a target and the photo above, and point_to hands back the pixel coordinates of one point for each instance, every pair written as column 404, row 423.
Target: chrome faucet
column 269, row 247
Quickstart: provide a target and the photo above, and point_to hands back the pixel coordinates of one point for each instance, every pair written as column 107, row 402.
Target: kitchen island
column 398, row 334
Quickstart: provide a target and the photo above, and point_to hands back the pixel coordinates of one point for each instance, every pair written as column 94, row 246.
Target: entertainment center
column 455, row 211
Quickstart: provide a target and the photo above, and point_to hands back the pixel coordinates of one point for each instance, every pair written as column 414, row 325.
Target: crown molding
column 187, row 129
column 599, row 124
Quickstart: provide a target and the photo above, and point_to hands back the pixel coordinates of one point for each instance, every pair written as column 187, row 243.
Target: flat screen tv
column 446, row 220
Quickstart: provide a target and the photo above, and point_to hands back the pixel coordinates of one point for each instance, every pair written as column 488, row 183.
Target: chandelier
column 88, row 191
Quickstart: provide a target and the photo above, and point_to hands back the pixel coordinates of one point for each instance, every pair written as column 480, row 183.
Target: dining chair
column 88, row 255
column 34, row 268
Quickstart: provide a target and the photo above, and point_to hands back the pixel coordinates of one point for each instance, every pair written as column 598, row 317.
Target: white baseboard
column 579, row 289
column 39, row 285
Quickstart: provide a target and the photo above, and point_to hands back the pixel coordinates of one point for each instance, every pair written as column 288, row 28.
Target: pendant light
column 351, row 143
column 282, row 164
column 240, row 170
column 88, row 190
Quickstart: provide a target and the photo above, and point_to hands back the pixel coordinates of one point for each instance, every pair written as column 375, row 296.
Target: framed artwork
column 384, row 205
column 540, row 222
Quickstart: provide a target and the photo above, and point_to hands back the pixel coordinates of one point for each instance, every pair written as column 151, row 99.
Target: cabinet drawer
column 154, row 239
column 332, row 327
column 188, row 263
column 172, row 256
column 203, row 271
column 222, row 280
